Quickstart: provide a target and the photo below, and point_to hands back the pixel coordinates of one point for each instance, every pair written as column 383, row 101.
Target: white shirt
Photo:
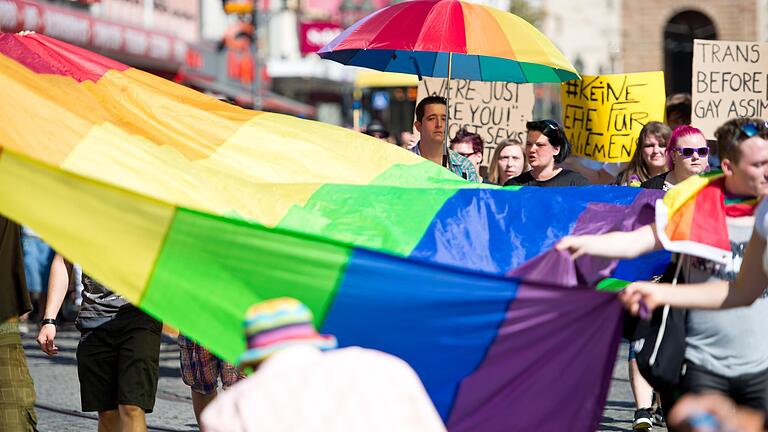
column 304, row 389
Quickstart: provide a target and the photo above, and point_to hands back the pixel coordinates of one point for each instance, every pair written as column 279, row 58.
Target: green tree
column 524, row 10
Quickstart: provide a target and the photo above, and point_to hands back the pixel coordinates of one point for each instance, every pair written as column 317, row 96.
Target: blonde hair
column 493, row 168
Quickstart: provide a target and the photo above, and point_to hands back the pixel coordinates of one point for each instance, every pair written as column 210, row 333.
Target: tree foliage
column 523, row 9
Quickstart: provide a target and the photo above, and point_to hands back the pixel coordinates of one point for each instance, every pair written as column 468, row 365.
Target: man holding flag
column 709, row 220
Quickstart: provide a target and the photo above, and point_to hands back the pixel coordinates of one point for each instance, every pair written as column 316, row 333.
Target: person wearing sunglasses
column 726, row 351
column 686, row 155
column 545, row 147
column 469, row 145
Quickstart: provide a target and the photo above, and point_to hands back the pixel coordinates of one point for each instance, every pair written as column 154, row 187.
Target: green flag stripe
column 252, row 263
column 352, row 214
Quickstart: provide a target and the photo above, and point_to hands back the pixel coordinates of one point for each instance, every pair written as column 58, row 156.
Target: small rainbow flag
column 690, row 219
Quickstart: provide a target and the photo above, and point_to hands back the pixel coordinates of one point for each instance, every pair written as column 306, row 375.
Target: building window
column 679, row 34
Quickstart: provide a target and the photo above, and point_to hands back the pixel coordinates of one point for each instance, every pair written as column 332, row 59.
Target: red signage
column 82, row 29
column 315, row 35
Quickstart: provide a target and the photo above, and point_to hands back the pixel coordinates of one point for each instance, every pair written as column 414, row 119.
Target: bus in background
column 385, row 98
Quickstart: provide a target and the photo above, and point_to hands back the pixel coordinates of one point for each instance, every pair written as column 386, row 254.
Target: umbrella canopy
column 419, row 37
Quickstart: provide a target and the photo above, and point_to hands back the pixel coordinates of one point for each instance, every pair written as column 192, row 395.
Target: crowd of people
column 118, row 352
column 725, row 352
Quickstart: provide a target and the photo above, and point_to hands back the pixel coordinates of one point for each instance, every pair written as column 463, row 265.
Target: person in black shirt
column 545, row 146
column 650, row 158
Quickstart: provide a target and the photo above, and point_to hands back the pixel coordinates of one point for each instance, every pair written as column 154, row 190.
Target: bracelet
column 47, row 321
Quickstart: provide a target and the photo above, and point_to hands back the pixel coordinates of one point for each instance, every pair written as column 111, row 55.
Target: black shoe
column 658, row 417
column 643, row 420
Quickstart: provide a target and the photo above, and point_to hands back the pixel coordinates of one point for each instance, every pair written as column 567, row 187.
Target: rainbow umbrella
column 451, row 39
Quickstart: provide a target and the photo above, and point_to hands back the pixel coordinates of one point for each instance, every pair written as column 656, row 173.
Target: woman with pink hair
column 687, row 155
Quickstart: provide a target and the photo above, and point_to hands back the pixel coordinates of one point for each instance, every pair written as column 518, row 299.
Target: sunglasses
column 551, row 124
column 544, row 124
column 466, row 155
column 687, row 152
column 751, row 129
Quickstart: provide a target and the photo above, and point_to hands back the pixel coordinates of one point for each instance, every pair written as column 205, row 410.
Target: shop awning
column 133, row 45
column 270, row 101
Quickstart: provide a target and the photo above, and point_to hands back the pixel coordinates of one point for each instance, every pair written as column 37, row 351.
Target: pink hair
column 679, row 132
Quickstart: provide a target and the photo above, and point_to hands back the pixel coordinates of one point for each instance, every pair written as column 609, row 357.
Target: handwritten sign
column 603, row 115
column 494, row 110
column 730, row 80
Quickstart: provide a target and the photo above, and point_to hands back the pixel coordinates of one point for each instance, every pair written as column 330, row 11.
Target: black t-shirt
column 659, row 182
column 565, row 177
column 14, row 298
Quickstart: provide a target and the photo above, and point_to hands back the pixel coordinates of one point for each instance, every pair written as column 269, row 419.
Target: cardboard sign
column 494, row 110
column 729, row 80
column 603, row 115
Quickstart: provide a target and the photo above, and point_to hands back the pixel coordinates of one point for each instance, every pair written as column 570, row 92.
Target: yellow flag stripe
column 117, row 234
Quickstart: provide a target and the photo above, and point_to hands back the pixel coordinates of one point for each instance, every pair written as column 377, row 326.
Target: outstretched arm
column 748, row 286
column 616, row 244
column 58, row 282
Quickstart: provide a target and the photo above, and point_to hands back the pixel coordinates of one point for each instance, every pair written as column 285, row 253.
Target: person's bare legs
column 641, row 390
column 200, row 401
column 132, row 419
column 109, row 421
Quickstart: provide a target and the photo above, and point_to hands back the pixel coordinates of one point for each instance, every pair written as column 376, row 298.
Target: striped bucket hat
column 277, row 324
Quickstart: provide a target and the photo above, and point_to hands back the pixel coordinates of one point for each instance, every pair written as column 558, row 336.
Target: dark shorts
column 748, row 389
column 118, row 362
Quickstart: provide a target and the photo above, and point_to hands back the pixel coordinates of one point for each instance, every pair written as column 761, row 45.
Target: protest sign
column 603, row 115
column 494, row 110
column 730, row 80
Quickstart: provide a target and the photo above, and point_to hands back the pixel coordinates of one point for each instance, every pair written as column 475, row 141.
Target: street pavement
column 58, row 397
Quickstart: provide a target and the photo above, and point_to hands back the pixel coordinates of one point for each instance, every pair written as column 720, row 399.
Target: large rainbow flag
column 194, row 209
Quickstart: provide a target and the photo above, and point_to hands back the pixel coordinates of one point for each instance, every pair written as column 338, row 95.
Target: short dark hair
column 377, row 129
column 554, row 132
column 679, row 104
column 429, row 100
column 732, row 133
column 463, row 135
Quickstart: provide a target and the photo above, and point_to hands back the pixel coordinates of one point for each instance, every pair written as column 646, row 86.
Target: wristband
column 47, row 321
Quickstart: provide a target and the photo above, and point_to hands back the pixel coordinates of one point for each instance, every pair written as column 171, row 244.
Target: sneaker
column 658, row 417
column 643, row 420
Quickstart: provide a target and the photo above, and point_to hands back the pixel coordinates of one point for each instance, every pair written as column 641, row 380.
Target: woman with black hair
column 545, row 147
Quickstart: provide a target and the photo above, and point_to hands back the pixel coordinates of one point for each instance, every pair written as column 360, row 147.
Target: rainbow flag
column 690, row 219
column 194, row 209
